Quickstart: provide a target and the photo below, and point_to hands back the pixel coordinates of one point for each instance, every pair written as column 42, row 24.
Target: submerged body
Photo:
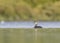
column 37, row 27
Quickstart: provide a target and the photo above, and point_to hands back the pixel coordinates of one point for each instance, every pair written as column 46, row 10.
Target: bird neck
column 35, row 24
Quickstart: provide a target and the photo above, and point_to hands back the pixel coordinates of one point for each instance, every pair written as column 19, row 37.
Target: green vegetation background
column 16, row 10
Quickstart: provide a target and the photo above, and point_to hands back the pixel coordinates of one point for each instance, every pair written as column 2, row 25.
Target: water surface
column 26, row 24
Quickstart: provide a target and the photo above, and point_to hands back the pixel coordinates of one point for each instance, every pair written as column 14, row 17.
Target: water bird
column 36, row 25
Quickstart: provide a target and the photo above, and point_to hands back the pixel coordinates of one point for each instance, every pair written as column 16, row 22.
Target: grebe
column 36, row 25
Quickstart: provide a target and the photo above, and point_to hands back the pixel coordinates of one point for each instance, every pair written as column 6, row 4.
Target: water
column 25, row 24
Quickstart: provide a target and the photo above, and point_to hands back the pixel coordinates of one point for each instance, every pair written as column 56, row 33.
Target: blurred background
column 29, row 10
column 17, row 10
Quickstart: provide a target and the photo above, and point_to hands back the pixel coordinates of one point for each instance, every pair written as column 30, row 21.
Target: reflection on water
column 29, row 24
